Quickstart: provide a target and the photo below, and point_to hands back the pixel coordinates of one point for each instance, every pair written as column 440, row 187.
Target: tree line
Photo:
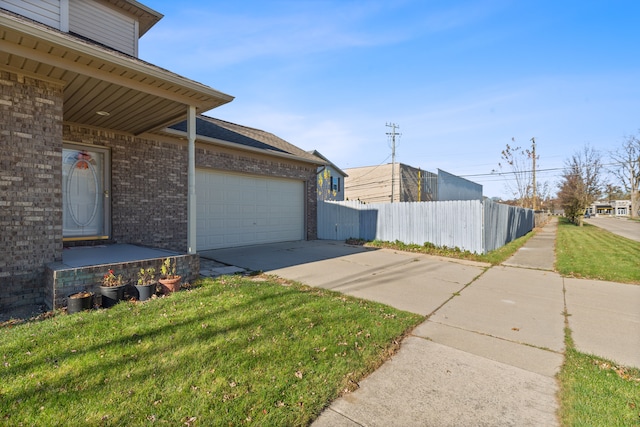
column 584, row 180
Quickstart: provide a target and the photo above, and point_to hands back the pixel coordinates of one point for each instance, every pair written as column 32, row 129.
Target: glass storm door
column 84, row 193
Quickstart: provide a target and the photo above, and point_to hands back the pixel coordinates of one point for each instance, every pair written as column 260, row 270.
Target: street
column 621, row 226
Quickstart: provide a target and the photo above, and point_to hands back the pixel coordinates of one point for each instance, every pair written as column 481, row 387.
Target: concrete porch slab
column 83, row 256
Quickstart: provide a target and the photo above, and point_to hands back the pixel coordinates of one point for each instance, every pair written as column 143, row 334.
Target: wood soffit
column 139, row 97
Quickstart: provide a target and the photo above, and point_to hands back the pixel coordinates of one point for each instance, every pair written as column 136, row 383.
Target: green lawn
column 494, row 257
column 591, row 252
column 596, row 392
column 235, row 351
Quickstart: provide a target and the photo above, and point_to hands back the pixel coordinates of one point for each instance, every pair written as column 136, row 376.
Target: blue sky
column 460, row 78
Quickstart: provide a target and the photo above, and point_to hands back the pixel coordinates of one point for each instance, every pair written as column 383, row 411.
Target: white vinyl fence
column 461, row 224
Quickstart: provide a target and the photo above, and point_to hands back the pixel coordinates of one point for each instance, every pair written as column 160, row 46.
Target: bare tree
column 581, row 183
column 614, row 192
column 544, row 192
column 627, row 169
column 519, row 160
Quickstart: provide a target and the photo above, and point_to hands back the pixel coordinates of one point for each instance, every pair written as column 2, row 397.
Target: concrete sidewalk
column 490, row 355
column 486, row 357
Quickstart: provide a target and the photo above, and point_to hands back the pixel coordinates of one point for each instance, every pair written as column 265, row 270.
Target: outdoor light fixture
column 102, row 113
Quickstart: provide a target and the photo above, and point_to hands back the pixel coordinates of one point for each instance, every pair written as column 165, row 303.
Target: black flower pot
column 145, row 292
column 111, row 295
column 79, row 301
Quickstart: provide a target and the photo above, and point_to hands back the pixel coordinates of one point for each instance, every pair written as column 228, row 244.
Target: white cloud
column 220, row 39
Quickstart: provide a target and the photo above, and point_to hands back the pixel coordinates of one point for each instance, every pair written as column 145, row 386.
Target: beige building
column 404, row 183
column 384, row 183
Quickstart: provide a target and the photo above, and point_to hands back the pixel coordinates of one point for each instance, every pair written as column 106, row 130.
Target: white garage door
column 240, row 210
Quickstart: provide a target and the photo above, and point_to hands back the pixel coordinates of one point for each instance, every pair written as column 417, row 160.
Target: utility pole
column 533, row 140
column 633, row 179
column 393, row 135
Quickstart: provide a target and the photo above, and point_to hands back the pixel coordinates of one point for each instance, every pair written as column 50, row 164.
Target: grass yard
column 494, row 257
column 596, row 392
column 591, row 252
column 233, row 351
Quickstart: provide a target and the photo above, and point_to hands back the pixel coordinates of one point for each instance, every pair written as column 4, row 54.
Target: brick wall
column 148, row 187
column 149, row 183
column 30, row 193
column 256, row 164
column 66, row 281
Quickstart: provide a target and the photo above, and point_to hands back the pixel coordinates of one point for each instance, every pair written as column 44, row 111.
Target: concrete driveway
column 620, row 226
column 412, row 282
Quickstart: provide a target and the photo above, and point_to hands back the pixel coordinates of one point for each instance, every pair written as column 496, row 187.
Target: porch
column 82, row 268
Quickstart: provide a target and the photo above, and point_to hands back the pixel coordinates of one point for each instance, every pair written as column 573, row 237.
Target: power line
column 496, row 173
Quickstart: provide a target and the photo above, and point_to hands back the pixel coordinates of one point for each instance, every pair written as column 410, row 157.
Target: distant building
column 377, row 184
column 610, row 208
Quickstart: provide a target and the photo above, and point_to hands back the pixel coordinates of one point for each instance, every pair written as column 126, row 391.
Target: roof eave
column 222, row 143
column 329, row 163
column 67, row 41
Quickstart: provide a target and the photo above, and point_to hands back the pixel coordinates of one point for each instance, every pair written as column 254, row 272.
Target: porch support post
column 191, row 210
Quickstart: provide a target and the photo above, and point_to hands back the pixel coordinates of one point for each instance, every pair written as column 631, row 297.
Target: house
column 330, row 179
column 403, row 183
column 100, row 147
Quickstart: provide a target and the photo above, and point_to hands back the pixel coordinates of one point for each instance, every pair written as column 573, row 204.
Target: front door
column 85, row 192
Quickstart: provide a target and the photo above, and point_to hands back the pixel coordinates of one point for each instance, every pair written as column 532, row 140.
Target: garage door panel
column 240, row 210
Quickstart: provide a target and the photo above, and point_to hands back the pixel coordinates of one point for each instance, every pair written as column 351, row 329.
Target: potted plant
column 79, row 301
column 112, row 289
column 169, row 280
column 146, row 284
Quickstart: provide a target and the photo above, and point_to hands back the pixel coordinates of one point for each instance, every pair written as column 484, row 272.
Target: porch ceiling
column 138, row 96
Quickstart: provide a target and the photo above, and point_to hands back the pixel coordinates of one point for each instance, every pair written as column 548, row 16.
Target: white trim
column 64, row 16
column 106, row 194
column 136, row 26
column 192, row 208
